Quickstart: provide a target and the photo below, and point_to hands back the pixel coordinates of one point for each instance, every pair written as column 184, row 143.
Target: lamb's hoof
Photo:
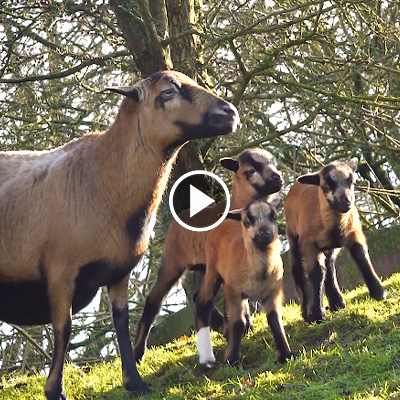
column 318, row 318
column 286, row 357
column 138, row 389
column 379, row 293
column 337, row 305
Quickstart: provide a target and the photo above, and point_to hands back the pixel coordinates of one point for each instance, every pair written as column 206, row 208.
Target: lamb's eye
column 168, row 93
column 247, row 223
column 250, row 172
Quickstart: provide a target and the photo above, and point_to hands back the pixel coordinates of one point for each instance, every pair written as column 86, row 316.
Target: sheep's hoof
column 317, row 317
column 286, row 357
column 137, row 389
column 337, row 305
column 379, row 293
column 207, row 365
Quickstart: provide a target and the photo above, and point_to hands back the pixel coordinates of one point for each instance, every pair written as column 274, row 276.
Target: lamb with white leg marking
column 243, row 255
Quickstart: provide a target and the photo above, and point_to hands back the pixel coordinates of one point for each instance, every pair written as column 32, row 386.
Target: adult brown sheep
column 79, row 217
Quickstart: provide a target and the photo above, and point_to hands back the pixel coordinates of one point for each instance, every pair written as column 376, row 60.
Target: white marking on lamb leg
column 204, row 346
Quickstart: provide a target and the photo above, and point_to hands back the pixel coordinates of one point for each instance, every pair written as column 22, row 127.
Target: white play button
column 198, row 201
column 197, row 217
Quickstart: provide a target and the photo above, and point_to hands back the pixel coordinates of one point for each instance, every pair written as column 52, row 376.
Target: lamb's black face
column 257, row 172
column 259, row 219
column 337, row 184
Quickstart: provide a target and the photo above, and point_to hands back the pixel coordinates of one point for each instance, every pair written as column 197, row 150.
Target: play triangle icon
column 198, row 201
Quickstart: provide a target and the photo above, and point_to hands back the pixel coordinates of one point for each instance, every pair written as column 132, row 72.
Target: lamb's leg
column 118, row 295
column 273, row 306
column 332, row 289
column 298, row 274
column 314, row 263
column 204, row 304
column 235, row 310
column 168, row 275
column 359, row 252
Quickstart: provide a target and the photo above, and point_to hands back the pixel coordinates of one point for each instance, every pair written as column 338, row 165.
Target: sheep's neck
column 260, row 261
column 239, row 197
column 137, row 173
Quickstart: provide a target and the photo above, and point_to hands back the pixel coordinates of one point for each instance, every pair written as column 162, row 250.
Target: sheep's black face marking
column 338, row 188
column 262, row 175
column 261, row 220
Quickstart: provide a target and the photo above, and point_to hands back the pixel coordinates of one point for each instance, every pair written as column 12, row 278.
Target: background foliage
column 314, row 81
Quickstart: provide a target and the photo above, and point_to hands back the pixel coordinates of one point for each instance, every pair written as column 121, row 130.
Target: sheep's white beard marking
column 204, row 346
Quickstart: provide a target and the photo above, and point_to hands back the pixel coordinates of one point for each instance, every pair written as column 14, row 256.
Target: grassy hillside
column 355, row 354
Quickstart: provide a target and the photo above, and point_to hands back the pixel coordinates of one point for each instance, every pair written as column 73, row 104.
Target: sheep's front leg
column 119, row 301
column 204, row 305
column 298, row 274
column 60, row 298
column 168, row 275
column 236, row 310
column 273, row 308
column 332, row 289
column 359, row 252
column 314, row 263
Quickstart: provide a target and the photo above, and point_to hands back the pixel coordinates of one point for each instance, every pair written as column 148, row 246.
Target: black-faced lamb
column 245, row 258
column 321, row 218
column 79, row 217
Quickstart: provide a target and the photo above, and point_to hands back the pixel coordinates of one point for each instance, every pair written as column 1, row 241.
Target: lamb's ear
column 353, row 163
column 310, row 179
column 128, row 91
column 235, row 215
column 230, row 164
column 275, row 201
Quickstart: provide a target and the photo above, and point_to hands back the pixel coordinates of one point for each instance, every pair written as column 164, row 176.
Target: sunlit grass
column 354, row 354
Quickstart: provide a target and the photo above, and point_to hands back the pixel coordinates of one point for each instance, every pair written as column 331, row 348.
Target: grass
column 354, row 354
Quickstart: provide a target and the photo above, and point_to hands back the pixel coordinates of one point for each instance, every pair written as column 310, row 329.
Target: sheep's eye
column 246, row 223
column 273, row 216
column 330, row 182
column 250, row 172
column 168, row 93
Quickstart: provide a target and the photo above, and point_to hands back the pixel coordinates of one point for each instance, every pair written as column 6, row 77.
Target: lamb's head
column 255, row 172
column 258, row 221
column 173, row 109
column 336, row 181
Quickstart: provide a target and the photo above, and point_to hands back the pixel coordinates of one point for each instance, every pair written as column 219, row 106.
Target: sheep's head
column 259, row 221
column 336, row 181
column 255, row 171
column 174, row 109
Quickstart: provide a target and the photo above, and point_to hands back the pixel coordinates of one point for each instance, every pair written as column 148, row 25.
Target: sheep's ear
column 128, row 91
column 230, row 164
column 353, row 163
column 310, row 179
column 275, row 201
column 235, row 215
